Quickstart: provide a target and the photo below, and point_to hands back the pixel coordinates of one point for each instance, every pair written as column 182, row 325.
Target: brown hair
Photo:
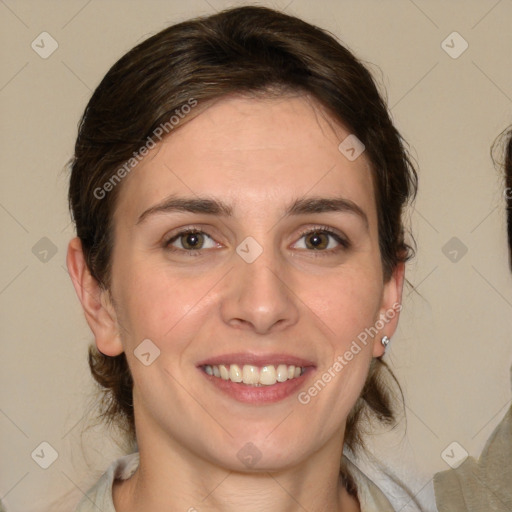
column 244, row 50
column 501, row 154
column 508, row 192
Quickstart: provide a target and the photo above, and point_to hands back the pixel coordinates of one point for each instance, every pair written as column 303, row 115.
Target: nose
column 259, row 296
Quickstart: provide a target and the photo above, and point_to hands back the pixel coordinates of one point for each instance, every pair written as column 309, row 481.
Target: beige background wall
column 453, row 351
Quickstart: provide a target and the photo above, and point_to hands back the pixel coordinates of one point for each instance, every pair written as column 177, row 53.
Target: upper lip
column 242, row 358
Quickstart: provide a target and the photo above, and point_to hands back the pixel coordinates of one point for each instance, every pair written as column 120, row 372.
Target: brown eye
column 322, row 240
column 191, row 241
column 317, row 240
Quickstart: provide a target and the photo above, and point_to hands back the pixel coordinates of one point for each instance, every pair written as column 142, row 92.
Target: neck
column 171, row 478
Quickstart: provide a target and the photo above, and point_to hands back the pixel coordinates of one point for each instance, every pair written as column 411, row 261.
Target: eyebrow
column 301, row 206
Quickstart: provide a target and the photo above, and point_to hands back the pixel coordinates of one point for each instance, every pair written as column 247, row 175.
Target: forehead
column 265, row 151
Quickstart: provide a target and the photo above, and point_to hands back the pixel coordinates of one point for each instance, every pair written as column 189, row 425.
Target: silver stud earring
column 385, row 340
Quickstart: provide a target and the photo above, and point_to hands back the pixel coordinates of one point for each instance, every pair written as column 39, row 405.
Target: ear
column 96, row 303
column 390, row 308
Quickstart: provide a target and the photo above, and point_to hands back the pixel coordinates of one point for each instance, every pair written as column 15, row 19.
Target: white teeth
column 282, row 373
column 268, row 375
column 253, row 375
column 250, row 374
column 235, row 374
column 224, row 372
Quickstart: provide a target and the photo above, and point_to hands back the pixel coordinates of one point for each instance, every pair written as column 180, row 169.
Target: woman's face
column 284, row 270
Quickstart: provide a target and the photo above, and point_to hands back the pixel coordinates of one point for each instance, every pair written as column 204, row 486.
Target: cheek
column 155, row 301
column 347, row 303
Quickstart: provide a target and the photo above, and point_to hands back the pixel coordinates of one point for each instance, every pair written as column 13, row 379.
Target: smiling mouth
column 251, row 375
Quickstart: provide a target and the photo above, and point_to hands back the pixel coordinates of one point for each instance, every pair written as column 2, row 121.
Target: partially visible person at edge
column 238, row 190
column 485, row 484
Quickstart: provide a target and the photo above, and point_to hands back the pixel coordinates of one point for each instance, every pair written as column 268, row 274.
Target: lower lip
column 259, row 394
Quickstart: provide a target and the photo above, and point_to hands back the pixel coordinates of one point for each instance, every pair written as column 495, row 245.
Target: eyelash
column 344, row 244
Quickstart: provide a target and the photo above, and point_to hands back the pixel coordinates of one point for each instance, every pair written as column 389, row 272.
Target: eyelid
column 168, row 239
column 340, row 238
column 330, row 231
